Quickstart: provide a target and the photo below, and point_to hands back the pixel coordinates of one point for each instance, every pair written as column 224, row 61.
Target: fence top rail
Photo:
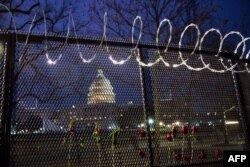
column 39, row 37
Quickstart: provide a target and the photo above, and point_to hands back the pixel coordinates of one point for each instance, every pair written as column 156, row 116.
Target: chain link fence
column 100, row 114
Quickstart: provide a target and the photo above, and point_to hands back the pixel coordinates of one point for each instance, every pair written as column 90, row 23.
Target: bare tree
column 56, row 12
column 122, row 13
column 181, row 13
column 57, row 21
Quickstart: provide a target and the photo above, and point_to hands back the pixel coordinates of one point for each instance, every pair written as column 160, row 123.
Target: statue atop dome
column 101, row 90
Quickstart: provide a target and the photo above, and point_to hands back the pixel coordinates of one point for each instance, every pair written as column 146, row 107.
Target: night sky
column 126, row 85
column 236, row 12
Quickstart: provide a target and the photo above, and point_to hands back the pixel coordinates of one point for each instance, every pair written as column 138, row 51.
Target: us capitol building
column 101, row 108
column 101, row 91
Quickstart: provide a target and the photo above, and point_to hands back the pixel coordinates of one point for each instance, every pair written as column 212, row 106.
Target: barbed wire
column 135, row 51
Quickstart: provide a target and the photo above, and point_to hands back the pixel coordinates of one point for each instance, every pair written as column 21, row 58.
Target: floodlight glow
column 161, row 123
column 150, row 121
column 177, row 123
column 50, row 62
column 232, row 122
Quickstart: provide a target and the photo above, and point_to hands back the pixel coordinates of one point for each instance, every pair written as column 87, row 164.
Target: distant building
column 101, row 90
column 101, row 108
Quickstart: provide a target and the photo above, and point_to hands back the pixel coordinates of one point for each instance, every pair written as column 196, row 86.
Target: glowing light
column 138, row 59
column 161, row 123
column 150, row 121
column 51, row 62
column 232, row 122
column 210, row 123
column 85, row 60
column 177, row 123
column 71, row 19
column 104, row 38
column 121, row 62
column 135, row 50
column 135, row 43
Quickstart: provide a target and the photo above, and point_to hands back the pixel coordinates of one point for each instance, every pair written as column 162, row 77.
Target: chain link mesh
column 93, row 114
column 59, row 106
column 206, row 104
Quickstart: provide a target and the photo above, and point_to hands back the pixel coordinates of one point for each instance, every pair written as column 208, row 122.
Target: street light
column 150, row 121
column 177, row 123
column 232, row 122
column 161, row 123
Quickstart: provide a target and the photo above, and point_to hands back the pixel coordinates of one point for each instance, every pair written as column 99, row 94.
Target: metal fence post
column 242, row 109
column 148, row 103
column 7, row 98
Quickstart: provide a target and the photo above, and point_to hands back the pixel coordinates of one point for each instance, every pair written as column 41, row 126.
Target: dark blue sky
column 236, row 12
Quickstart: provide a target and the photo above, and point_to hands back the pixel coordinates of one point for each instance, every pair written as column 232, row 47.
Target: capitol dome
column 101, row 90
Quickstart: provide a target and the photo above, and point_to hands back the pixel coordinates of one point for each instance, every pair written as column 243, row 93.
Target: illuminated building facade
column 101, row 90
column 101, row 108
